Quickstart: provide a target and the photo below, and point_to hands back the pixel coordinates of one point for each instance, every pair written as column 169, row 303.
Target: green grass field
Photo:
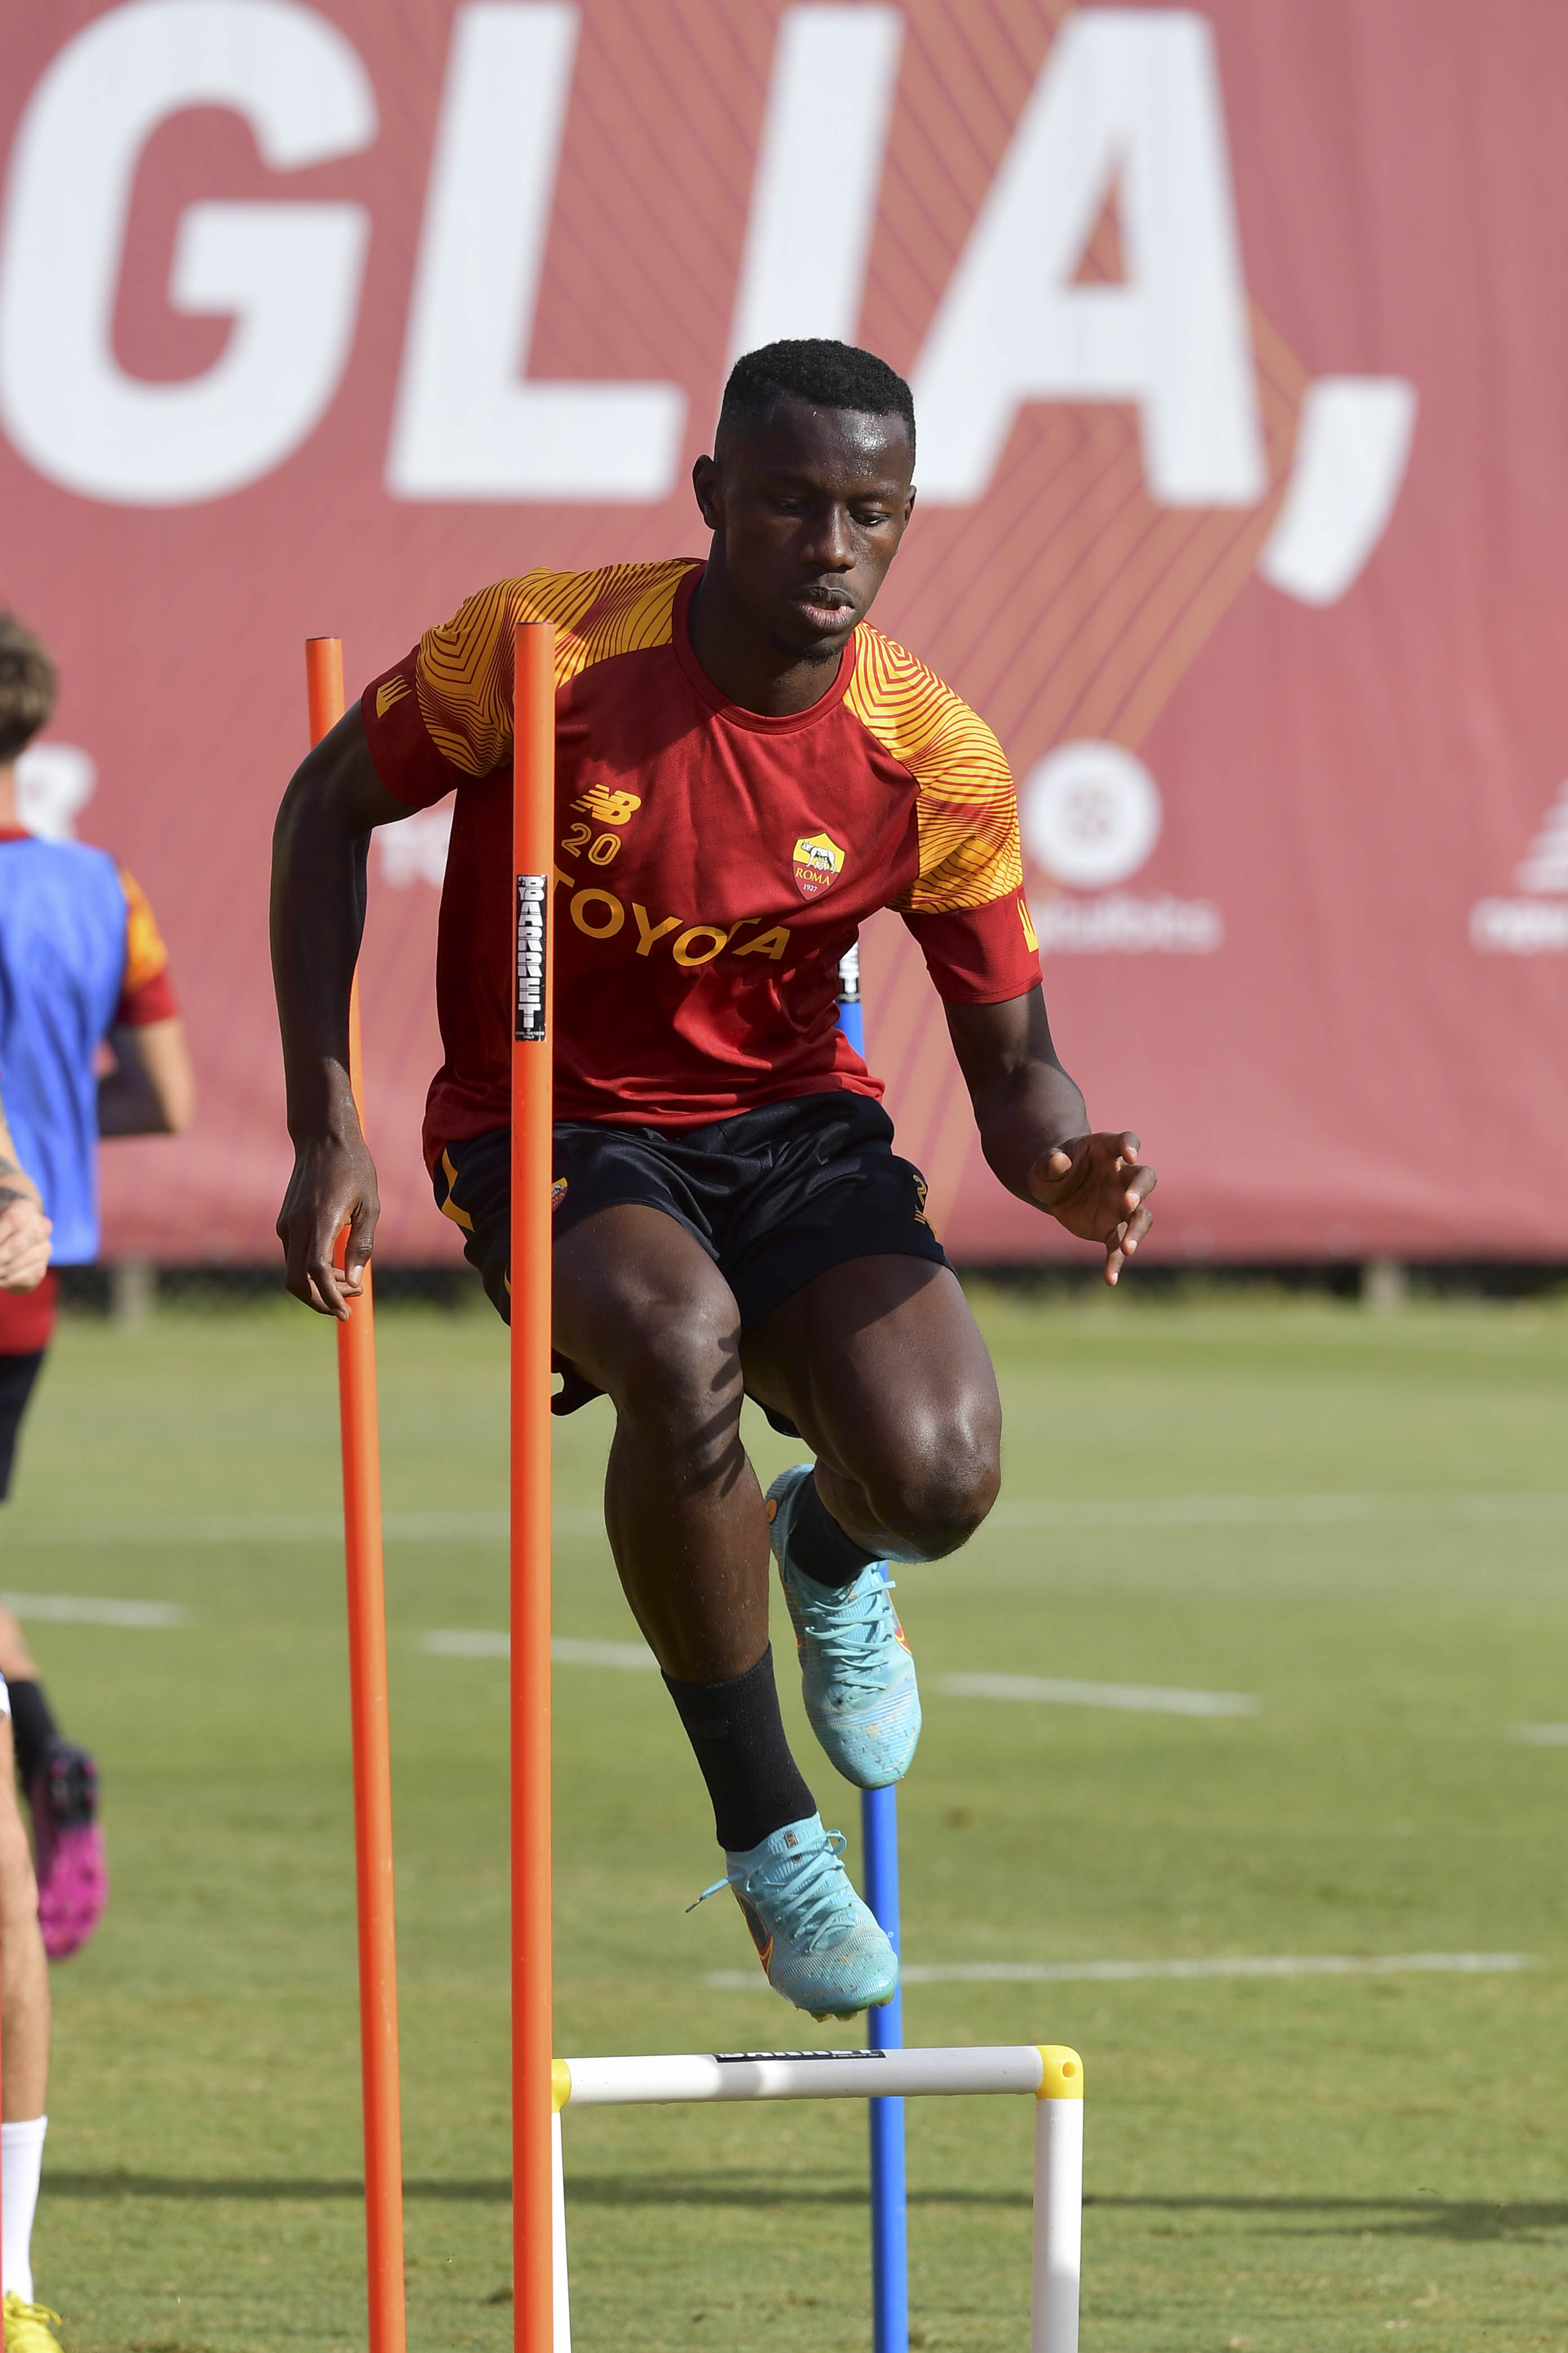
column 1274, row 2163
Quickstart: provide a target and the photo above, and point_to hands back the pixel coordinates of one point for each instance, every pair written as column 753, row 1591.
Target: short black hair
column 26, row 687
column 813, row 368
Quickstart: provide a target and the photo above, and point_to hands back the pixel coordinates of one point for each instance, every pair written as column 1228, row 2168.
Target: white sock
column 21, row 2162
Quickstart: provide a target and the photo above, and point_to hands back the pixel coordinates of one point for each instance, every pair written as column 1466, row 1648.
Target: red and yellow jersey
column 146, row 992
column 713, row 864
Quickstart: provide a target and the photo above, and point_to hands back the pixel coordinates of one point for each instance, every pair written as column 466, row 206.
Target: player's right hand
column 24, row 1243
column 333, row 1186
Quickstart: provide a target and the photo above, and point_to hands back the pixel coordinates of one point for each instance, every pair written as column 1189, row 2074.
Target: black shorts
column 773, row 1196
column 17, row 1375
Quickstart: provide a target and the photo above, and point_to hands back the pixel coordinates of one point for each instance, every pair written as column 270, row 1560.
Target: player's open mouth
column 823, row 609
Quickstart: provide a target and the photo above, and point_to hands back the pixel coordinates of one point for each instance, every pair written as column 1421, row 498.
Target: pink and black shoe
column 72, row 1867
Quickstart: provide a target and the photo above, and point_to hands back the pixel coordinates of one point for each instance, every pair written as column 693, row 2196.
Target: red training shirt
column 713, row 864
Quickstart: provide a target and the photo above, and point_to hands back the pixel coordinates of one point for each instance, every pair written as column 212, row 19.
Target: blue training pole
column 879, row 1839
column 889, row 2249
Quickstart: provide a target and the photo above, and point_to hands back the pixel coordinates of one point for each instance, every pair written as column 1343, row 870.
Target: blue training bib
column 62, row 965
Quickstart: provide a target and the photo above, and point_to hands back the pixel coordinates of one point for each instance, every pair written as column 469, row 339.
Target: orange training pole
column 534, row 826
column 368, row 1711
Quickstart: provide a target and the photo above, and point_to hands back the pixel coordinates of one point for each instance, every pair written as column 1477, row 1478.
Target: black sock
column 819, row 1545
column 32, row 1726
column 737, row 1736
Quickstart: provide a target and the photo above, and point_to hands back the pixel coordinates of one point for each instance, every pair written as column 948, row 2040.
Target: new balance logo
column 610, row 809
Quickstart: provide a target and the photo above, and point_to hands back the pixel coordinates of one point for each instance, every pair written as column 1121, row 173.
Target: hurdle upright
column 368, row 1713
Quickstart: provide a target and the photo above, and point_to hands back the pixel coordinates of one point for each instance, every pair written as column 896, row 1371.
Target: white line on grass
column 459, row 1642
column 463, row 1642
column 568, row 1652
column 83, row 1610
column 491, row 1527
column 1540, row 1736
column 1224, row 1964
column 1055, row 1690
column 1270, row 1511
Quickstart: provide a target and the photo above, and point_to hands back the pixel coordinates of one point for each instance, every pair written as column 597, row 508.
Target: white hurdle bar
column 1050, row 2070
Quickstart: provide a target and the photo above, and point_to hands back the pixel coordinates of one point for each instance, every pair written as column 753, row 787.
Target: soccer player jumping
column 747, row 771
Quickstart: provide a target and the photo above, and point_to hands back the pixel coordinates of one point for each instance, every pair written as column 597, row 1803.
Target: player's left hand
column 24, row 1244
column 1097, row 1187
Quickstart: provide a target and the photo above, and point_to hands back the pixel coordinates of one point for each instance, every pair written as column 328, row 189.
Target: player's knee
column 940, row 1494
column 680, row 1371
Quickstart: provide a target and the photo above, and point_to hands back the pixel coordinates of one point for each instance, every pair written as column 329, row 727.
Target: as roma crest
column 819, row 861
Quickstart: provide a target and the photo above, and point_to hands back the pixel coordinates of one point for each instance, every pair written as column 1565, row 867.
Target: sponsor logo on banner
column 1117, row 922
column 818, row 863
column 1536, row 924
column 1091, row 816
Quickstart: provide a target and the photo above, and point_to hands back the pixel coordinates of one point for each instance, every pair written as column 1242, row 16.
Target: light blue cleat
column 819, row 1945
column 857, row 1678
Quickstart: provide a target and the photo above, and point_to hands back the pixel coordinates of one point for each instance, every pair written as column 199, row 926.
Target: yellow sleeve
column 965, row 807
column 145, row 954
column 463, row 670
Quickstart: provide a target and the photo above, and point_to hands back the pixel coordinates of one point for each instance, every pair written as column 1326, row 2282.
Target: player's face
column 808, row 510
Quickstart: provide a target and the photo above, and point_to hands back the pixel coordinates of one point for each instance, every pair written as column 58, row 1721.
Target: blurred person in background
column 24, row 1972
column 82, row 969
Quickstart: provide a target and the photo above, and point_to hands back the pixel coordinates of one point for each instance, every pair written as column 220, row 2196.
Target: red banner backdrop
column 1239, row 349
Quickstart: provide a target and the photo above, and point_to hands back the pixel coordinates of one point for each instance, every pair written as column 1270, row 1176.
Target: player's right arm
column 437, row 720
column 23, row 1229
column 320, row 846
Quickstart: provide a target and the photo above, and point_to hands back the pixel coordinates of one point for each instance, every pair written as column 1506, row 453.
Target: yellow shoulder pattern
column 965, row 807
column 145, row 954
column 463, row 672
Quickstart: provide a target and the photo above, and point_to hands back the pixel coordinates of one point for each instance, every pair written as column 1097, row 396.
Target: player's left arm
column 967, row 910
column 23, row 1229
column 1035, row 1133
column 152, row 1090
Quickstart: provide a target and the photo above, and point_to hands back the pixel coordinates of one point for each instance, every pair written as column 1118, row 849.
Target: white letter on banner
column 1129, row 102
column 825, row 133
column 468, row 424
column 1352, row 438
column 288, row 274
